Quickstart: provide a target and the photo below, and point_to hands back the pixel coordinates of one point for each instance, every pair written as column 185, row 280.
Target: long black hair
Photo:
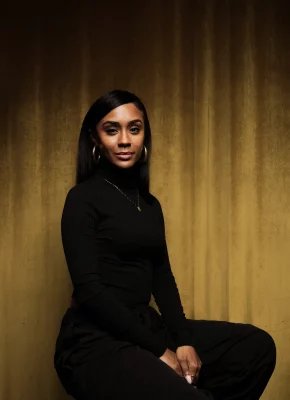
column 86, row 165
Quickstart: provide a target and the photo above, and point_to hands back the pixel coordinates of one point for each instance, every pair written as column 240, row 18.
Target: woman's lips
column 124, row 156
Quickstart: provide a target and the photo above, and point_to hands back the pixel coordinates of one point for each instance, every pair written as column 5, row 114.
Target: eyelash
column 137, row 130
column 112, row 130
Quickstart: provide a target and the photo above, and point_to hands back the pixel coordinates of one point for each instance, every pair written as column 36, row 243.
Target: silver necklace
column 136, row 205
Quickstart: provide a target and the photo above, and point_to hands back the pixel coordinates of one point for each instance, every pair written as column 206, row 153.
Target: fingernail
column 189, row 379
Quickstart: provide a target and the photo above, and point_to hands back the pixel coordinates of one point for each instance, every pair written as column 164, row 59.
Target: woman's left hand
column 190, row 363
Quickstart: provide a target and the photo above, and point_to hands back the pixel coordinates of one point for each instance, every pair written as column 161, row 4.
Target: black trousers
column 237, row 363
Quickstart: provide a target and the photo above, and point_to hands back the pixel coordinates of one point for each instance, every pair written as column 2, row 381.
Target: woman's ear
column 93, row 139
column 96, row 141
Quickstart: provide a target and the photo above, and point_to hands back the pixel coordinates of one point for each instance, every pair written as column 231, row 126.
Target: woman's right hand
column 169, row 358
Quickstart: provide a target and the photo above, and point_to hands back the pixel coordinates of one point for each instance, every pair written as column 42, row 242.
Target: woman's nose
column 124, row 137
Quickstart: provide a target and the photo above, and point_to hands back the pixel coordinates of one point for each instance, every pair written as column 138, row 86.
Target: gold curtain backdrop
column 214, row 76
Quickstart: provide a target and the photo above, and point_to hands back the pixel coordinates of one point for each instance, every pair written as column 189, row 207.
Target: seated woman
column 112, row 344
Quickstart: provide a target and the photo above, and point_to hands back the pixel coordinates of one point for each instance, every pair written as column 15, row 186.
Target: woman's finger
column 197, row 372
column 178, row 369
column 193, row 368
column 184, row 367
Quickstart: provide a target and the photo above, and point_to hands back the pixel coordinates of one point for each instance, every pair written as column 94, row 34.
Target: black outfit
column 110, row 340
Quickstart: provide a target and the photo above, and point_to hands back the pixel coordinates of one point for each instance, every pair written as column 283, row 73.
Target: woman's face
column 122, row 131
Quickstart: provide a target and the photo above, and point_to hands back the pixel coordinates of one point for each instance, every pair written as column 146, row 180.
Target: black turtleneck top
column 117, row 257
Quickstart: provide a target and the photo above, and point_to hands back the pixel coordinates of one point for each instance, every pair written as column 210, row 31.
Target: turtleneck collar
column 122, row 177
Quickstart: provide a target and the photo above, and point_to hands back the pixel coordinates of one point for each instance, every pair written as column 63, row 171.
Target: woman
column 112, row 344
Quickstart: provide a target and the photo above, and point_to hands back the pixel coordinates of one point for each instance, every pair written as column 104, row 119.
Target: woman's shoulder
column 154, row 201
column 85, row 191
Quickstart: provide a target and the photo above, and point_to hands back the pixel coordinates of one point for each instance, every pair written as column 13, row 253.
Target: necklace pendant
column 139, row 208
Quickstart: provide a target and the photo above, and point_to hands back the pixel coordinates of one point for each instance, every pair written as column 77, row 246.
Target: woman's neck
column 122, row 177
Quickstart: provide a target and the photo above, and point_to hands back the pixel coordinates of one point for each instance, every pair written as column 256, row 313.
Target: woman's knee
column 265, row 346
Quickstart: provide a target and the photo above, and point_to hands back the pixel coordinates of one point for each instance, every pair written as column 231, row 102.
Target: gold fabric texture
column 214, row 76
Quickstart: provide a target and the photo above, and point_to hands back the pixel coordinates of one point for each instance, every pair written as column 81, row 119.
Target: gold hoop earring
column 94, row 155
column 145, row 155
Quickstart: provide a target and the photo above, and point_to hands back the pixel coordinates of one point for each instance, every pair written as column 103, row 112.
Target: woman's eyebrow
column 134, row 121
column 115, row 123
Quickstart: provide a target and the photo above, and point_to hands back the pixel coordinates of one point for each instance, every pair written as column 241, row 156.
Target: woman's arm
column 167, row 296
column 79, row 226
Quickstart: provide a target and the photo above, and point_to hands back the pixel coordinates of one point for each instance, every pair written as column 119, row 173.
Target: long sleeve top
column 117, row 257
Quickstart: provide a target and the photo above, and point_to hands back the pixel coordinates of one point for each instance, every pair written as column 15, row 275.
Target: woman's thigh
column 233, row 356
column 213, row 339
column 134, row 373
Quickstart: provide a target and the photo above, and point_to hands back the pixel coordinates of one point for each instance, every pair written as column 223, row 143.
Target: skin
column 123, row 130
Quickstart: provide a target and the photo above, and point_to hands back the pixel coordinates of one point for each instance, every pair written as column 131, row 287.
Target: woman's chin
column 124, row 163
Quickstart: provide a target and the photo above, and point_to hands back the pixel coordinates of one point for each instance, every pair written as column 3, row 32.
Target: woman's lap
column 112, row 368
column 134, row 374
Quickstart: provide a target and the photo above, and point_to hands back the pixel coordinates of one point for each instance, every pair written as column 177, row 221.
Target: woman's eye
column 135, row 129
column 111, row 131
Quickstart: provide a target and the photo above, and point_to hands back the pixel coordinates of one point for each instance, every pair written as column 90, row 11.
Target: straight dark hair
column 86, row 164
